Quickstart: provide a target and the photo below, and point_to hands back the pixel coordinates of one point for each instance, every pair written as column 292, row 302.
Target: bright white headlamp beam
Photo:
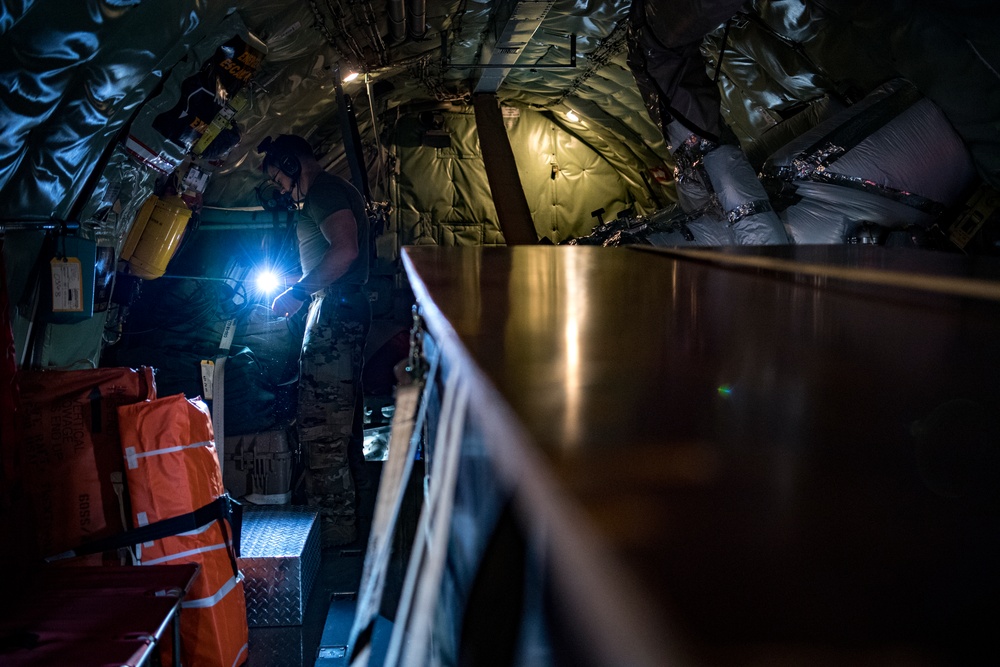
column 268, row 281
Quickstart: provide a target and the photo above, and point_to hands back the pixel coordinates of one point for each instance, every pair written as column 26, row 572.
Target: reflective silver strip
column 142, row 520
column 133, row 458
column 197, row 531
column 184, row 554
column 211, row 601
column 243, row 652
column 753, row 207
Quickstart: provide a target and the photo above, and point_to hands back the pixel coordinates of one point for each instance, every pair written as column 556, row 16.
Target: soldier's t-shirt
column 329, row 194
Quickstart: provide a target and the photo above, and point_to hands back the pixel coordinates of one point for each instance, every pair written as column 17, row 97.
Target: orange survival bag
column 172, row 469
column 65, row 453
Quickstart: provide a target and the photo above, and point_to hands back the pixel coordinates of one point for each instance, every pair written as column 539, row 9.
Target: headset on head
column 281, row 157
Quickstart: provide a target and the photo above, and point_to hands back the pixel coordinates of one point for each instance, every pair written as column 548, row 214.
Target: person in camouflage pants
column 330, row 412
column 334, row 251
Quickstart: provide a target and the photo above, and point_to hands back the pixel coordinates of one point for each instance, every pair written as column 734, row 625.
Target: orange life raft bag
column 66, row 454
column 172, row 470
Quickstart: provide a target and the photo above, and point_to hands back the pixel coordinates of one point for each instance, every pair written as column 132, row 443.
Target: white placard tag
column 67, row 285
column 228, row 333
column 207, row 378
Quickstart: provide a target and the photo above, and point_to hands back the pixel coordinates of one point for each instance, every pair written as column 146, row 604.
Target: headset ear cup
column 290, row 165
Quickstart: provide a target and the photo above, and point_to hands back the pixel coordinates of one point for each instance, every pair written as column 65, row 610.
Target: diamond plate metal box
column 279, row 647
column 279, row 559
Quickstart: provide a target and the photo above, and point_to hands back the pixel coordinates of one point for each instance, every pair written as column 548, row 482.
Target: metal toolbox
column 278, row 647
column 279, row 559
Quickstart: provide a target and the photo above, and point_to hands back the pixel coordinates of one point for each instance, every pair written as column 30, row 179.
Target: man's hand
column 286, row 303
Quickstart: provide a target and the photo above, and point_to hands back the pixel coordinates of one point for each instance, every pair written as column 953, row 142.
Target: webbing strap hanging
column 407, row 427
column 218, row 391
column 722, row 51
column 421, row 586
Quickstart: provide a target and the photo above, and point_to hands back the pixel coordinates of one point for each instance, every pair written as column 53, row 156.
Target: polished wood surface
column 789, row 467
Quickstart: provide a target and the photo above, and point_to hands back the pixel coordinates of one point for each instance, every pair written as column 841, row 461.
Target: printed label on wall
column 67, row 285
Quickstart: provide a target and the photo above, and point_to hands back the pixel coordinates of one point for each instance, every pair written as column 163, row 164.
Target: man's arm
column 340, row 229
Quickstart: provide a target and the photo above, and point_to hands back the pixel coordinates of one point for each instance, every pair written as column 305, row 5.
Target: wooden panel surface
column 789, row 467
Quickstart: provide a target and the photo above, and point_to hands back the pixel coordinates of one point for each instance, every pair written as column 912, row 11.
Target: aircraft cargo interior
column 416, row 333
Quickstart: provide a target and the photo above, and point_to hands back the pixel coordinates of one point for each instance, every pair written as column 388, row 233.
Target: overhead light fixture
column 571, row 116
column 351, row 76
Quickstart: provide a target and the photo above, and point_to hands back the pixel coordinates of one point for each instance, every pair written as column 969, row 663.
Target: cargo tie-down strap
column 812, row 163
column 222, row 509
column 218, row 391
column 412, row 628
column 405, row 437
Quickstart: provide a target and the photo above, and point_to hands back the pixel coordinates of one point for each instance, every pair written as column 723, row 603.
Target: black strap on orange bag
column 223, row 509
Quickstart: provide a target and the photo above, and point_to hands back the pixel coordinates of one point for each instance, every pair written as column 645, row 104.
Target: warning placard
column 67, row 285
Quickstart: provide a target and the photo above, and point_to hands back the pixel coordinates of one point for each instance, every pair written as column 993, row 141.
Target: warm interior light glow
column 268, row 281
column 351, row 76
column 571, row 116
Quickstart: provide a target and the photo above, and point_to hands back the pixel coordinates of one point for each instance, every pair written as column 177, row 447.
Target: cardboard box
column 258, row 467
